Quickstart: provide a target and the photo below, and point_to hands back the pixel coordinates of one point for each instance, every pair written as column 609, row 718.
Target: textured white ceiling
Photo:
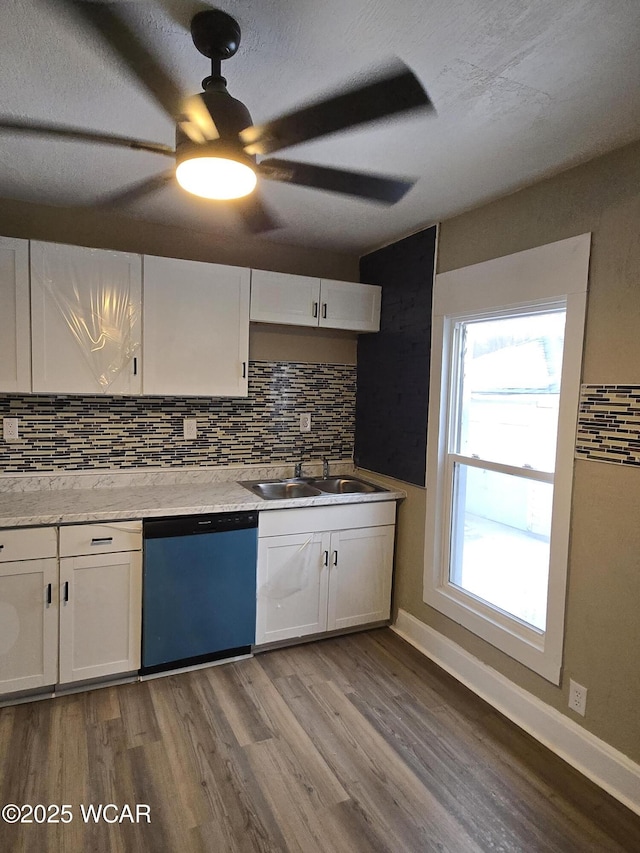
column 522, row 88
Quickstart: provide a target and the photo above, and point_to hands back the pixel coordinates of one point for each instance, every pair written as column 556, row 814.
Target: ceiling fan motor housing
column 230, row 116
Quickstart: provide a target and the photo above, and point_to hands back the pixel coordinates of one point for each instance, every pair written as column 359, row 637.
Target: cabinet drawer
column 27, row 543
column 79, row 539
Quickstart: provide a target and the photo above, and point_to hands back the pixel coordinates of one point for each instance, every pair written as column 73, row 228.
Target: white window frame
column 543, row 278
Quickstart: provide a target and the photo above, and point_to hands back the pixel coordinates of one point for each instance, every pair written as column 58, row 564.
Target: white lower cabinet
column 100, row 600
column 323, row 569
column 72, row 620
column 292, row 586
column 360, row 576
column 28, row 609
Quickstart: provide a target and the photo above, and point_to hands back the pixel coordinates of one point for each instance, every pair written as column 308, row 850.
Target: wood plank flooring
column 355, row 743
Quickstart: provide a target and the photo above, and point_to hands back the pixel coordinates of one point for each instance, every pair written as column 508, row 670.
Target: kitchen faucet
column 325, row 469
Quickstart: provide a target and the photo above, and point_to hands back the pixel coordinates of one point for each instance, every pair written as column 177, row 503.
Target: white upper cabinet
column 85, row 320
column 15, row 346
column 346, row 305
column 196, row 328
column 303, row 301
column 278, row 297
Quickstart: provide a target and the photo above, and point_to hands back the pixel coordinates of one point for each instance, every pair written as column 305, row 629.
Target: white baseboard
column 607, row 767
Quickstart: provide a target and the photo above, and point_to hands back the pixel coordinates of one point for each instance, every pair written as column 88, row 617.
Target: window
column 506, row 357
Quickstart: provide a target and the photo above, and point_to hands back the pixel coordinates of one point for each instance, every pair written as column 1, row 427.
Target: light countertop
column 29, row 502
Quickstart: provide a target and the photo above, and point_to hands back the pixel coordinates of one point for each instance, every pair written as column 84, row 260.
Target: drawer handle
column 65, row 596
column 1, row 547
column 324, row 310
column 104, row 541
column 48, row 595
column 315, row 309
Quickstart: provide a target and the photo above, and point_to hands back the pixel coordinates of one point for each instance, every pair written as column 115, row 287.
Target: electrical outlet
column 190, row 428
column 305, row 422
column 577, row 697
column 10, row 430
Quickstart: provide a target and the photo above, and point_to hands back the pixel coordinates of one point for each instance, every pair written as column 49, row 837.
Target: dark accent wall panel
column 392, row 395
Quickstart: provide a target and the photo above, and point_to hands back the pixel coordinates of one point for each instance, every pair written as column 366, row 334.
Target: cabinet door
column 28, row 624
column 347, row 305
column 361, row 565
column 283, row 298
column 15, row 335
column 292, row 586
column 196, row 328
column 85, row 320
column 100, row 615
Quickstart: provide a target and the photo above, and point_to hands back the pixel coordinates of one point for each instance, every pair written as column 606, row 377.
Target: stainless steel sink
column 309, row 487
column 274, row 490
column 345, row 486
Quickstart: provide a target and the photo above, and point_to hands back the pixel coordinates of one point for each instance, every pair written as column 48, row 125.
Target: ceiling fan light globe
column 216, row 177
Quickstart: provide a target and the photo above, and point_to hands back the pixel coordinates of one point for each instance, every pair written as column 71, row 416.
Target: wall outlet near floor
column 577, row 697
column 190, row 428
column 10, row 430
column 305, row 422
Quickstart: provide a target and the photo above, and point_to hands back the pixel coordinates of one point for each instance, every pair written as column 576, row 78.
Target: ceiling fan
column 217, row 145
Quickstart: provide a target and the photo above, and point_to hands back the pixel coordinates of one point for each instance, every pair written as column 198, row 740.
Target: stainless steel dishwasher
column 199, row 589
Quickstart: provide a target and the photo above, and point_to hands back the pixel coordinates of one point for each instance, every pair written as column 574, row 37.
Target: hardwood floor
column 356, row 743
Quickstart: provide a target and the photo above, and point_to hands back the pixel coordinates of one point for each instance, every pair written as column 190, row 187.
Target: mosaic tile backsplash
column 87, row 433
column 609, row 424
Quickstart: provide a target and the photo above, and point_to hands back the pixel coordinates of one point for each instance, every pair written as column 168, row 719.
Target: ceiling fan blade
column 137, row 191
column 112, row 29
column 372, row 187
column 254, row 213
column 196, row 120
column 116, row 33
column 78, row 134
column 386, row 96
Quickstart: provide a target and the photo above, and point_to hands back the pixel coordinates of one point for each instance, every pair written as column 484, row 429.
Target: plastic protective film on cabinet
column 99, row 313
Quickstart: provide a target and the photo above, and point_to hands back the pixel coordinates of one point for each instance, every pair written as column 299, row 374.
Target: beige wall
column 109, row 230
column 293, row 343
column 602, row 627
